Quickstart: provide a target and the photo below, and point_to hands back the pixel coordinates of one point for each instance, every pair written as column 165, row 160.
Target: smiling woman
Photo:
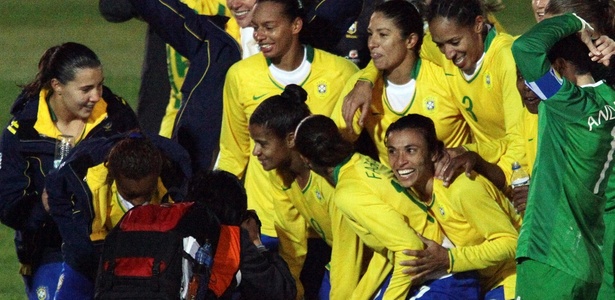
column 67, row 97
column 283, row 60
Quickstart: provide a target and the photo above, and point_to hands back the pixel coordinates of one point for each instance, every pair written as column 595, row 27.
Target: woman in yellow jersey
column 283, row 60
column 67, row 97
column 381, row 213
column 483, row 244
column 272, row 127
column 406, row 84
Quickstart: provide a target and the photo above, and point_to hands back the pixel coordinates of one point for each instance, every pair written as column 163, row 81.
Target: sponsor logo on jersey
column 256, row 98
column 488, row 80
column 41, row 292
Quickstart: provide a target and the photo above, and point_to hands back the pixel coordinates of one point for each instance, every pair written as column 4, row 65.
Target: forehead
column 406, row 137
column 379, row 21
column 85, row 76
column 268, row 11
column 261, row 131
column 444, row 29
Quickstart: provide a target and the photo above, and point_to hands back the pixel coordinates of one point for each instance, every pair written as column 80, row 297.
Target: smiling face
column 409, row 157
column 242, row 11
column 270, row 150
column 463, row 45
column 387, row 47
column 76, row 99
column 539, row 7
column 530, row 100
column 274, row 32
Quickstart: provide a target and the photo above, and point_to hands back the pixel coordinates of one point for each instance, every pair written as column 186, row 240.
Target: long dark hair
column 61, row 62
column 282, row 113
column 406, row 18
column 318, row 139
column 423, row 125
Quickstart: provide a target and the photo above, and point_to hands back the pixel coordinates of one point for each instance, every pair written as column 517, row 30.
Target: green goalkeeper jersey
column 563, row 224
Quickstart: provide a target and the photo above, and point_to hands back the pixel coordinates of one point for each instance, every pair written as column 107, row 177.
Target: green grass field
column 29, row 27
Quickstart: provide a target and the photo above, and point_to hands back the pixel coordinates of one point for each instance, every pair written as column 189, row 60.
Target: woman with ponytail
column 67, row 97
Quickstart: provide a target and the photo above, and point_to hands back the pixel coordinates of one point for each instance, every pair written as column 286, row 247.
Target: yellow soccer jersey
column 178, row 65
column 108, row 209
column 523, row 143
column 290, row 227
column 489, row 100
column 483, row 225
column 248, row 83
column 524, row 135
column 383, row 215
column 313, row 202
column 431, row 98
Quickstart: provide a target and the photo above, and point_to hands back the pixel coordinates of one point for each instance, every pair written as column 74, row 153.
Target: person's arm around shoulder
column 360, row 97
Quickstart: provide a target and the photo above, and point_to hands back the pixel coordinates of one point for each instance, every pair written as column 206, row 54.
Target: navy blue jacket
column 211, row 51
column 70, row 199
column 25, row 159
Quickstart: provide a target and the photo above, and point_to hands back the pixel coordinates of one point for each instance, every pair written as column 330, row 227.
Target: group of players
column 358, row 170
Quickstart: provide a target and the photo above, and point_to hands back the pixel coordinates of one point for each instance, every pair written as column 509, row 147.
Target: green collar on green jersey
column 336, row 170
column 413, row 75
column 309, row 54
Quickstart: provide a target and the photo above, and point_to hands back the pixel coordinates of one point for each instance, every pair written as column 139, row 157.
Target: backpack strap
column 226, row 259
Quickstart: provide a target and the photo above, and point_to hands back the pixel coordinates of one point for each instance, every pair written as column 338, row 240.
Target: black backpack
column 143, row 255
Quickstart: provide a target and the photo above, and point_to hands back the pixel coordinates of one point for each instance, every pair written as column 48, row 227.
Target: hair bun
column 295, row 93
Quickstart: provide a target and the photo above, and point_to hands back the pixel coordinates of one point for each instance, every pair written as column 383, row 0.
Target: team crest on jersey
column 488, row 80
column 322, row 88
column 41, row 292
column 318, row 195
column 352, row 30
column 430, row 104
column 442, row 210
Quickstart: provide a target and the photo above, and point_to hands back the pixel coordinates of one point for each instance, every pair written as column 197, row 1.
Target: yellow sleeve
column 380, row 227
column 337, row 115
column 234, row 138
column 490, row 151
column 347, row 257
column 430, row 51
column 369, row 73
column 291, row 229
column 500, row 235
